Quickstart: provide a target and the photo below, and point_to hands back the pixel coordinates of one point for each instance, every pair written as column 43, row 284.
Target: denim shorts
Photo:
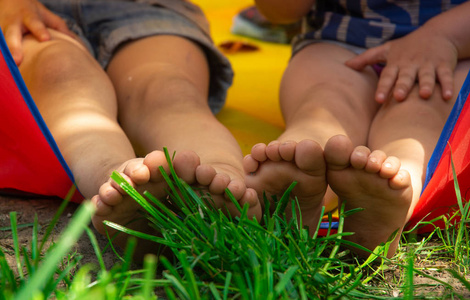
column 104, row 25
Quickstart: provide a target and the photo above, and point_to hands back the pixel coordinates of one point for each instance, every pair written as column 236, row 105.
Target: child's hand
column 20, row 17
column 422, row 56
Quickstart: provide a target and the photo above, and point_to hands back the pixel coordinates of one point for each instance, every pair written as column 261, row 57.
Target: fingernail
column 448, row 94
column 380, row 98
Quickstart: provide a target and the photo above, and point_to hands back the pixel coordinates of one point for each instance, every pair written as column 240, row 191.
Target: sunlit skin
column 375, row 132
column 149, row 97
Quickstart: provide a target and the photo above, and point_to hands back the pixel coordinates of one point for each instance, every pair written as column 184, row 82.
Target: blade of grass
column 128, row 254
column 285, row 279
column 132, row 192
column 460, row 278
column 173, row 276
column 96, row 248
column 52, row 287
column 8, row 281
column 16, row 245
column 35, row 241
column 281, row 206
column 150, row 267
column 56, row 217
column 142, row 235
column 66, row 241
column 409, row 285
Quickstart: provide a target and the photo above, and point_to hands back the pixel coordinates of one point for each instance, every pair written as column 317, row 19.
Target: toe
column 102, row 209
column 338, row 150
column 251, row 198
column 137, row 171
column 205, row 174
column 401, row 180
column 219, row 184
column 237, row 187
column 109, row 193
column 250, row 165
column 258, row 152
column 185, row 164
column 287, row 150
column 390, row 167
column 109, row 186
column 359, row 157
column 375, row 161
column 272, row 151
column 153, row 161
column 309, row 157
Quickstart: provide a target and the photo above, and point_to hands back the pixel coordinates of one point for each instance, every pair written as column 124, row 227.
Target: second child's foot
column 271, row 169
column 374, row 182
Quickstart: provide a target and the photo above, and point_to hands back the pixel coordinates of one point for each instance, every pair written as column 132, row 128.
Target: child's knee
column 55, row 61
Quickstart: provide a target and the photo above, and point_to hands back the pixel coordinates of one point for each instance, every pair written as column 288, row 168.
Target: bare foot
column 374, row 182
column 214, row 179
column 114, row 205
column 271, row 170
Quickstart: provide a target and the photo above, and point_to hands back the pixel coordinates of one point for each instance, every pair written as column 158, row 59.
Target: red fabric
column 439, row 197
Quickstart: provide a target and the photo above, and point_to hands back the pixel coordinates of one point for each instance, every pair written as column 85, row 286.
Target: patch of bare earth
column 430, row 281
column 45, row 209
column 391, row 281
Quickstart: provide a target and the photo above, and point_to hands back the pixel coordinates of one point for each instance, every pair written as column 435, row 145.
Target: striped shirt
column 369, row 23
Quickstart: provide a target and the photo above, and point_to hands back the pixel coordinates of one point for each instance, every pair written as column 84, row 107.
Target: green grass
column 216, row 256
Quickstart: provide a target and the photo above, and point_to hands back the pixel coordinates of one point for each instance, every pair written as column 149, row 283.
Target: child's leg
column 78, row 103
column 162, row 87
column 407, row 132
column 320, row 97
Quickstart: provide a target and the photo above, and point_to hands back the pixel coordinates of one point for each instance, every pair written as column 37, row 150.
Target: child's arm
column 284, row 12
column 20, row 17
column 426, row 55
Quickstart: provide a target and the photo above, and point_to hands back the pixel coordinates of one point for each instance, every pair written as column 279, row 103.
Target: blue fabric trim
column 31, row 105
column 326, row 225
column 447, row 131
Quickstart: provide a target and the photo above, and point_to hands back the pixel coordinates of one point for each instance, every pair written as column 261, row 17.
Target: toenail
column 373, row 160
column 360, row 153
column 388, row 165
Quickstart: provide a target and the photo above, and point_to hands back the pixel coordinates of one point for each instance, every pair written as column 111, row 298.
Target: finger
column 445, row 76
column 368, row 57
column 13, row 38
column 405, row 81
column 386, row 82
column 427, row 81
column 37, row 28
column 55, row 22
